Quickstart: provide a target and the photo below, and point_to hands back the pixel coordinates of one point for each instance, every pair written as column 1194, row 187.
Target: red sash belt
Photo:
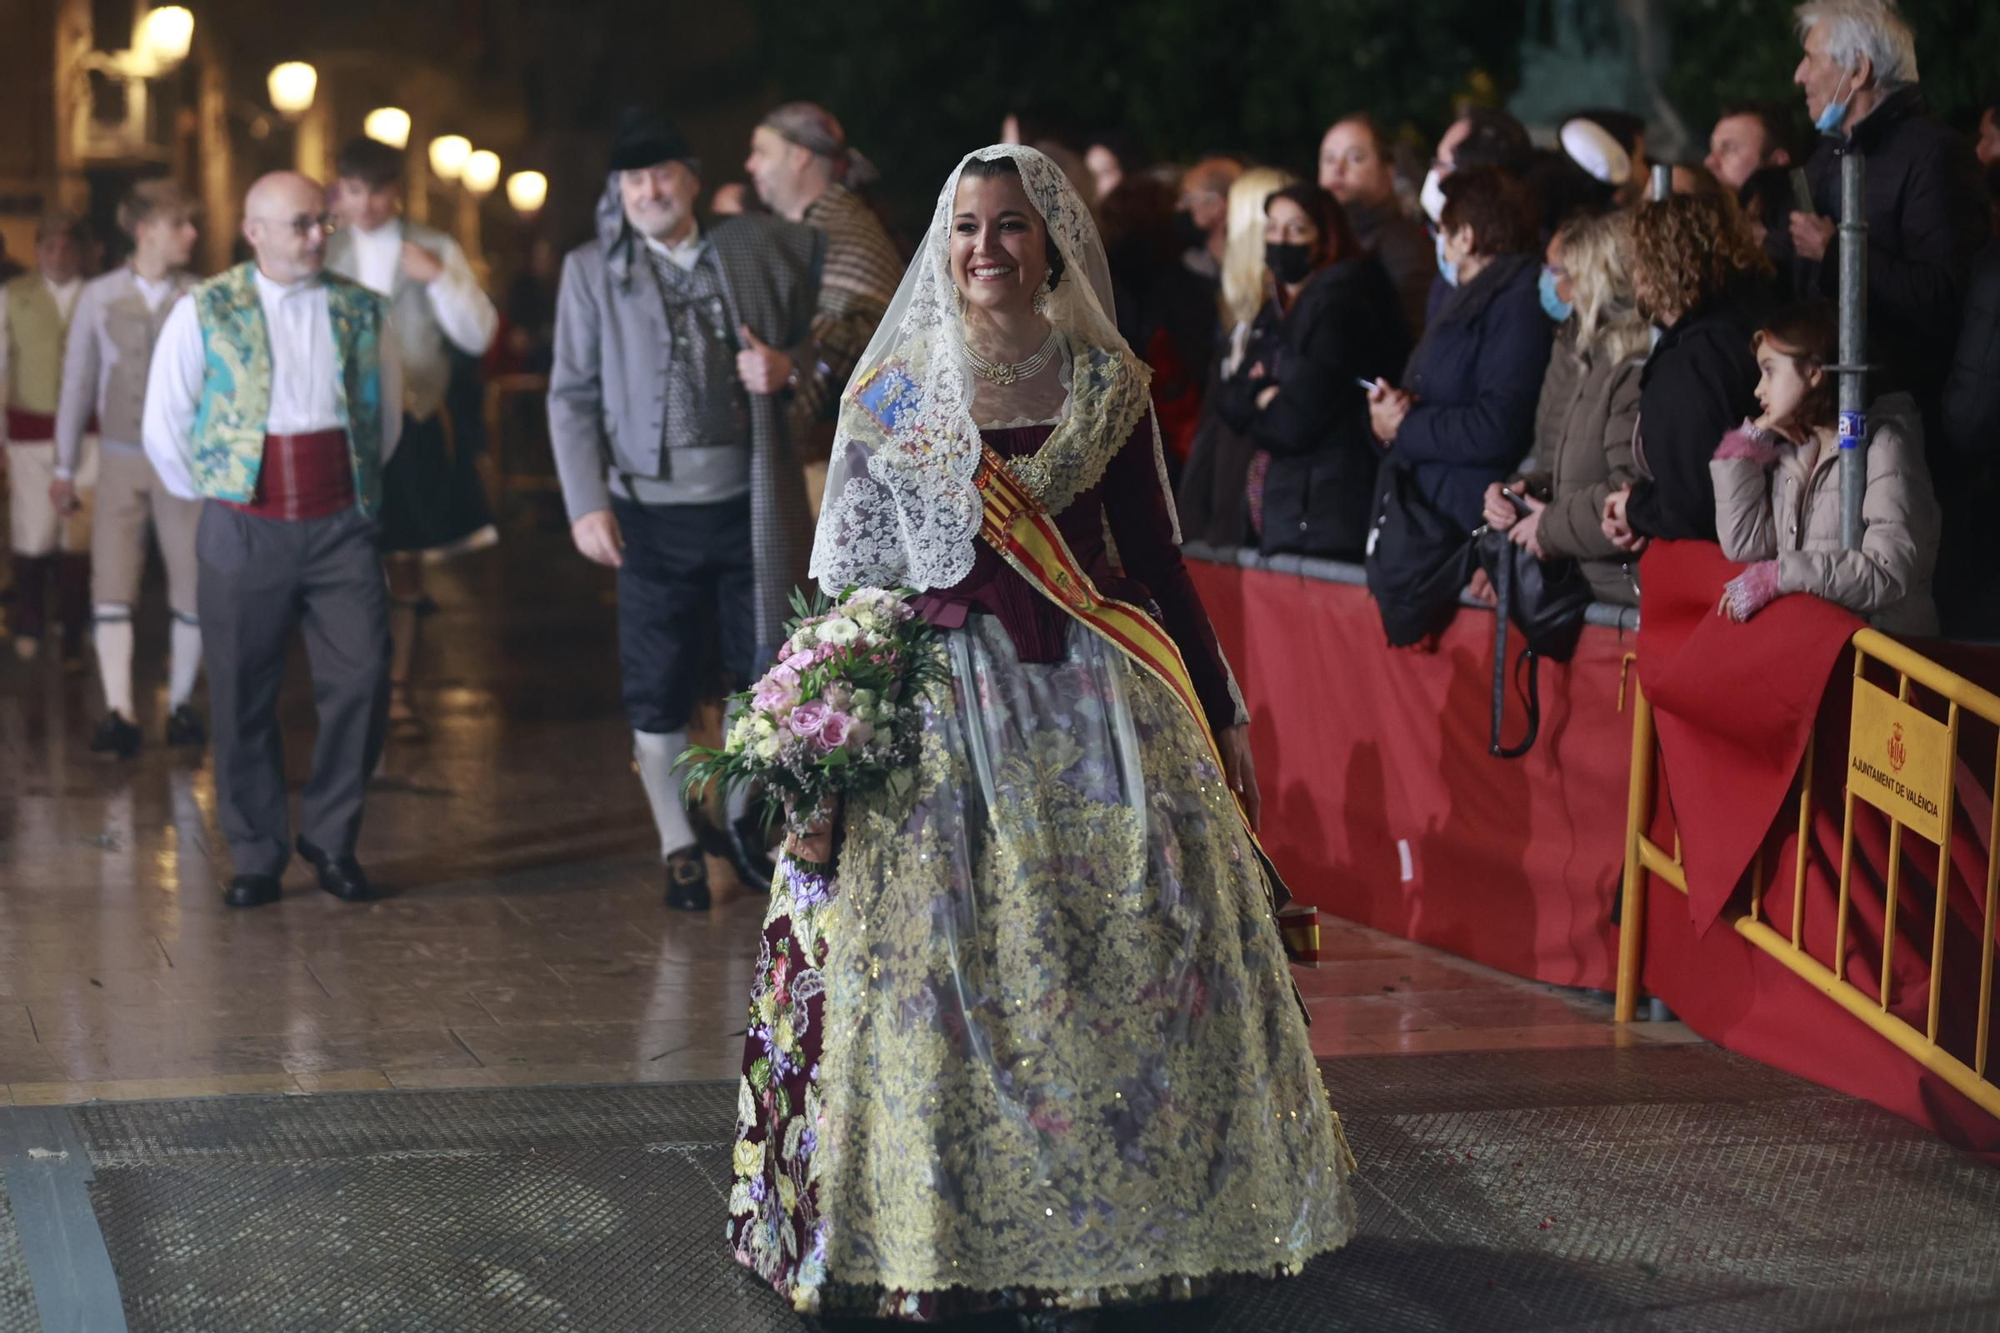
column 303, row 476
column 24, row 427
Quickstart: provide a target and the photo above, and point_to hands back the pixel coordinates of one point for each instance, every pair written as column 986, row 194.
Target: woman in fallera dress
column 1024, row 1049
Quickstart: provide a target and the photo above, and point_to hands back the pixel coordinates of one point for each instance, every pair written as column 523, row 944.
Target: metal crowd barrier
column 1341, row 571
column 1917, row 797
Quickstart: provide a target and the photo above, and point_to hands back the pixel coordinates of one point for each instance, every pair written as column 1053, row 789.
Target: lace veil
column 901, row 508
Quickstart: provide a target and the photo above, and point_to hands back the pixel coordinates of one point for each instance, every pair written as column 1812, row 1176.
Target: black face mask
column 1290, row 263
column 1192, row 237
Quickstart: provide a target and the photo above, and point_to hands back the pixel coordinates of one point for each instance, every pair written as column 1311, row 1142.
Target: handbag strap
column 1503, row 589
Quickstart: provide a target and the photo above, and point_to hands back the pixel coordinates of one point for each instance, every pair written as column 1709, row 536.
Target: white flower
column 767, row 748
column 863, row 701
column 840, row 630
column 806, row 636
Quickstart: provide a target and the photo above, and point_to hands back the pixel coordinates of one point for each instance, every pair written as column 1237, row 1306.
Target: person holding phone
column 1331, row 320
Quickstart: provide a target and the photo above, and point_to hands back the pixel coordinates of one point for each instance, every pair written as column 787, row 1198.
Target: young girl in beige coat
column 1777, row 491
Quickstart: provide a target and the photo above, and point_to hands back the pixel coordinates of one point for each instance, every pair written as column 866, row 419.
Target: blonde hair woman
column 1588, row 408
column 1210, row 496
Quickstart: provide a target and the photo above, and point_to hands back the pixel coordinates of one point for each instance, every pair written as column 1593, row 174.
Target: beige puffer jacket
column 1583, row 452
column 1783, row 513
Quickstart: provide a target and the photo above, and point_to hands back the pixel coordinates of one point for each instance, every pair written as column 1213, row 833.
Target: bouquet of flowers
column 837, row 716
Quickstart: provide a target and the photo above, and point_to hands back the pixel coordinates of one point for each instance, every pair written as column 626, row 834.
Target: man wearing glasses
column 276, row 396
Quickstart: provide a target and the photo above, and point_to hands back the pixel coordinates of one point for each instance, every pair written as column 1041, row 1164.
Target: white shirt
column 465, row 313
column 153, row 291
column 685, row 254
column 304, row 369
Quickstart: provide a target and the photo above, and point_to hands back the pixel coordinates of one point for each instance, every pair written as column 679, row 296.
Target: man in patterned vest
column 433, row 504
column 676, row 353
column 118, row 319
column 275, row 397
column 35, row 310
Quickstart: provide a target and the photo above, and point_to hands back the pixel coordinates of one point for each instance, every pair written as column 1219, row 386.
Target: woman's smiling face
column 999, row 255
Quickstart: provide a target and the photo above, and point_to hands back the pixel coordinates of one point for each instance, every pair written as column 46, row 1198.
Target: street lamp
column 292, row 86
column 482, row 172
column 165, row 35
column 448, row 153
column 527, row 191
column 389, row 125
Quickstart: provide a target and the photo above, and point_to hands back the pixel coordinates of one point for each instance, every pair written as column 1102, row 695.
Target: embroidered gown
column 1036, row 1044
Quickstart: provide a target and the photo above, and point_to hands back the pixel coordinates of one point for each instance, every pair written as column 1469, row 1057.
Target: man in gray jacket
column 675, row 350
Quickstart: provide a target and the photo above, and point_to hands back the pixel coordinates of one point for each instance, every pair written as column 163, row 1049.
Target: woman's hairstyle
column 1137, row 222
column 150, row 199
column 1689, row 249
column 991, row 168
column 1810, row 335
column 1495, row 206
column 1243, row 254
column 1336, row 234
column 1594, row 253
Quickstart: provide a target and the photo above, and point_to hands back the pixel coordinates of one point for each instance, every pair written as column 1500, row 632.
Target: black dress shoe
column 687, row 880
column 115, row 735
column 251, row 891
column 185, row 727
column 341, row 876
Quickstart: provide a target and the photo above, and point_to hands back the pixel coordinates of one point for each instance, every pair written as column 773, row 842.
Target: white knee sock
column 656, row 752
column 185, row 663
column 114, row 656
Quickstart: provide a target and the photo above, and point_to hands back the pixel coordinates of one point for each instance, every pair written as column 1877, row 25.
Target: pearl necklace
column 1005, row 373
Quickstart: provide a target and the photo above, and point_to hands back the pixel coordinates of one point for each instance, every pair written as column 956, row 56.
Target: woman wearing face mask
column 1466, row 415
column 1777, row 490
column 1589, row 405
column 1331, row 319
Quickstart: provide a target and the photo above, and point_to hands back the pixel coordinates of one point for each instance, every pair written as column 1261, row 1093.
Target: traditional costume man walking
column 432, row 502
column 276, row 393
column 674, row 349
column 35, row 311
column 111, row 336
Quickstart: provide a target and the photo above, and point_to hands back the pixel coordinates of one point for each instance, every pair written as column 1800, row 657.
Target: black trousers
column 258, row 578
column 687, row 585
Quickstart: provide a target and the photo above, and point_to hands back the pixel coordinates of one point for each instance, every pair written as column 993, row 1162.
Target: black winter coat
column 1699, row 384
column 1320, row 489
column 1972, row 394
column 1477, row 376
column 1928, row 218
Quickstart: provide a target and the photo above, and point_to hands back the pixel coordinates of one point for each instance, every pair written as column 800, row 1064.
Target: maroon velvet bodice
column 1130, row 503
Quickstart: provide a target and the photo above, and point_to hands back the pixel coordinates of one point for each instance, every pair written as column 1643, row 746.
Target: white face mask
column 1432, row 196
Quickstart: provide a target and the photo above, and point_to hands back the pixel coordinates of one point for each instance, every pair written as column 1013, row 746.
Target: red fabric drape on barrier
column 1362, row 751
column 1734, row 705
column 1367, row 755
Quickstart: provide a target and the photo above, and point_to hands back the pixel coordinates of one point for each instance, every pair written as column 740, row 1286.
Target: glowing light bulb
column 165, row 35
column 292, row 86
column 448, row 154
column 389, row 125
column 482, row 172
column 527, row 191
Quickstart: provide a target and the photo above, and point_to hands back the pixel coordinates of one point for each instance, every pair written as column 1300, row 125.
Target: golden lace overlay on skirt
column 1059, row 1050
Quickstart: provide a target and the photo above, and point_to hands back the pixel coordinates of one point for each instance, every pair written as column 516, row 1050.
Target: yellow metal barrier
column 1925, row 801
column 509, row 474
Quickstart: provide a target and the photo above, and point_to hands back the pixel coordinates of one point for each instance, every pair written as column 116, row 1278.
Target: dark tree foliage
column 919, row 82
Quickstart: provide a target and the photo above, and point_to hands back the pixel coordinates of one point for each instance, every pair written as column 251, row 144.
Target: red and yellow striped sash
column 1016, row 525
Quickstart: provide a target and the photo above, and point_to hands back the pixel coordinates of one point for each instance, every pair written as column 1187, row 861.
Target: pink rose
column 834, row 730
column 807, row 719
column 799, row 661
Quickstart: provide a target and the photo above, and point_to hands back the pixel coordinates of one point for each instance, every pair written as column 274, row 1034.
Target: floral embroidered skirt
column 1036, row 1046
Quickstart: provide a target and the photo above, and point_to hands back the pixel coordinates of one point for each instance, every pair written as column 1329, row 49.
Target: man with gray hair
column 1927, row 219
column 676, row 352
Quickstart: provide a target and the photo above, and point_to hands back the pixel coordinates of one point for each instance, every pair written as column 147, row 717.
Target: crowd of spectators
column 1543, row 346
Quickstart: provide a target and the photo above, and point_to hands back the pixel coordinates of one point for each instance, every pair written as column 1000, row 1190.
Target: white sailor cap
column 1591, row 147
